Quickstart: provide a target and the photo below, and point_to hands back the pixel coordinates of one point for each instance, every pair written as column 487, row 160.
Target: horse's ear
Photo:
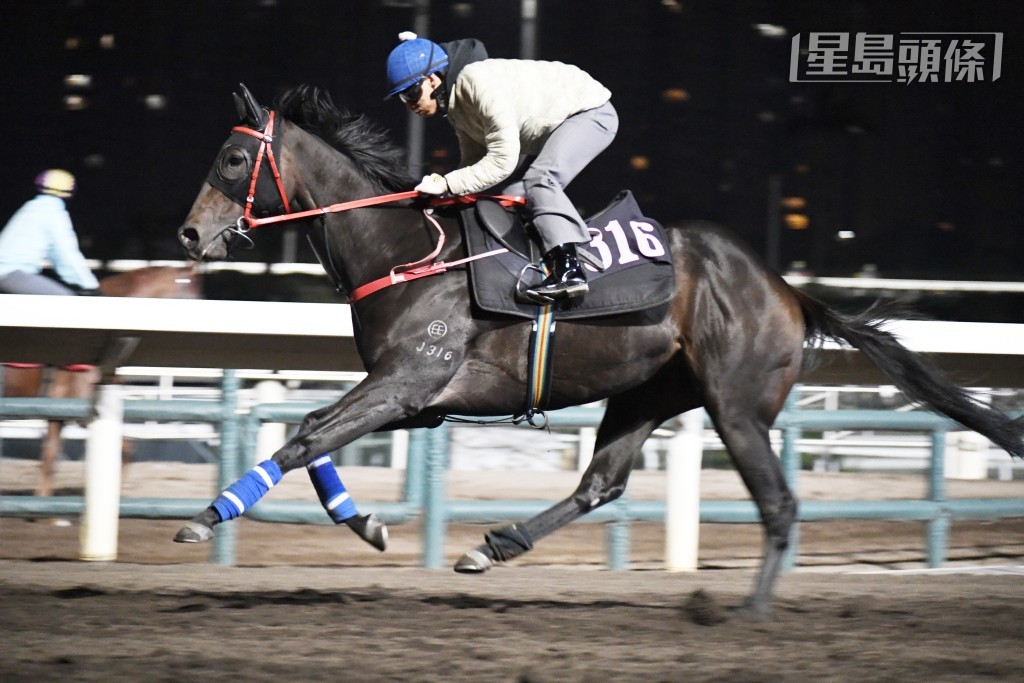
column 249, row 111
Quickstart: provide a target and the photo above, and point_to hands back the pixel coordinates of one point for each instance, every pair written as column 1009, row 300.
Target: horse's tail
column 910, row 372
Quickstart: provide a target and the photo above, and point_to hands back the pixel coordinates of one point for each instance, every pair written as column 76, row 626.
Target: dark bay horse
column 158, row 282
column 731, row 340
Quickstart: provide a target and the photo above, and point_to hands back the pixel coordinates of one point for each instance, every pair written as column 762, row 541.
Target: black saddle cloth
column 638, row 270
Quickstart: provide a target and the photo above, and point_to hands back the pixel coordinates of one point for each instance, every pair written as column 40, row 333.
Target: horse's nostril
column 188, row 236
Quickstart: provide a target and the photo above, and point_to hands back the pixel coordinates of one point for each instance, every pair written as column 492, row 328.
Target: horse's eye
column 234, row 164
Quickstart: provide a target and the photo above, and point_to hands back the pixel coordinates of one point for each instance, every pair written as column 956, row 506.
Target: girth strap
column 538, row 380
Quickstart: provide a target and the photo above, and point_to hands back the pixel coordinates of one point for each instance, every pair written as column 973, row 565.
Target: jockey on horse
column 527, row 126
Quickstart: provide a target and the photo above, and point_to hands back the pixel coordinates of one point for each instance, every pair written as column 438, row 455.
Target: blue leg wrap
column 333, row 495
column 247, row 491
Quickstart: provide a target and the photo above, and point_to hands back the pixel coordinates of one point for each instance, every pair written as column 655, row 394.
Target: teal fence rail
column 424, row 495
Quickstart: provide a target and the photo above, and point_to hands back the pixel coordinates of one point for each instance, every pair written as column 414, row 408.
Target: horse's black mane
column 368, row 146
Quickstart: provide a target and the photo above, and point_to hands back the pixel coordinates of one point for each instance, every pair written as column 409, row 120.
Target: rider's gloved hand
column 432, row 184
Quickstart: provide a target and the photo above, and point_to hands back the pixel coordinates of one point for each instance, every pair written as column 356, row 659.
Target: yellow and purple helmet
column 56, row 181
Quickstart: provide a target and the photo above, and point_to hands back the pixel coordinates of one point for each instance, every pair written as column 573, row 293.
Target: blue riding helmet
column 412, row 60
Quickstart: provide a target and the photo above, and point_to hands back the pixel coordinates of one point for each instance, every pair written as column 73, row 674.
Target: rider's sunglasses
column 413, row 92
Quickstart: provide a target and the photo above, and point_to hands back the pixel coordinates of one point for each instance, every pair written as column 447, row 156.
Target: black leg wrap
column 508, row 542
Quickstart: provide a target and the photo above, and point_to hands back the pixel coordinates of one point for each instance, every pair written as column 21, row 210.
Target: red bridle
column 266, row 137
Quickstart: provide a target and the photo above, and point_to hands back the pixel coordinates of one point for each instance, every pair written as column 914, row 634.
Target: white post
column 585, row 448
column 966, row 455
column 400, row 449
column 271, row 435
column 98, row 535
column 682, row 493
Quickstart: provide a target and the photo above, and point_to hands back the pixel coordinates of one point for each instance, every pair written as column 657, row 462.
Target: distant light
column 78, row 81
column 439, row 153
column 801, row 168
column 639, row 162
column 846, row 234
column 156, row 102
column 771, row 30
column 766, row 116
column 796, row 221
column 72, row 43
column 94, row 161
column 107, row 41
column 75, row 102
column 675, row 95
column 794, row 202
column 672, row 5
column 463, row 10
column 946, row 226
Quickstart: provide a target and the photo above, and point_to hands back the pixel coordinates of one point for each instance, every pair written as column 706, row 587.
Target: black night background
column 927, row 176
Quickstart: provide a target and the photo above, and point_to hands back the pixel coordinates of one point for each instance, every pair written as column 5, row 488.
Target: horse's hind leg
column 748, row 443
column 629, row 419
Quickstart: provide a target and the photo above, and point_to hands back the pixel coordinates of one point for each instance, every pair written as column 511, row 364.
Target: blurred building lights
column 639, row 162
column 78, row 81
column 794, row 203
column 107, row 41
column 796, row 221
column 72, row 43
column 75, row 102
column 675, row 95
column 845, row 235
column 156, row 102
column 771, row 30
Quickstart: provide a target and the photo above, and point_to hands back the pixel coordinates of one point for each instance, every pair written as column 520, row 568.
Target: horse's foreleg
column 339, row 504
column 369, row 406
column 629, row 419
column 48, row 457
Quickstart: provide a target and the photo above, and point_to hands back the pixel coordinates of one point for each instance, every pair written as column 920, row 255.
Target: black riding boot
column 567, row 278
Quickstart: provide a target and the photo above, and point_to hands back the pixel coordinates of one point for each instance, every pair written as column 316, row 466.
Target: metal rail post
column 617, row 536
column 937, row 528
column 434, row 522
column 790, row 468
column 225, row 543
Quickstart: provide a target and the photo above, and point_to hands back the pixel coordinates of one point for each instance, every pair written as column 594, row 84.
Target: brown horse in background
column 156, row 282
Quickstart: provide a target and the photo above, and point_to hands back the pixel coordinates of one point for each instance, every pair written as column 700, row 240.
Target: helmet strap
column 440, row 95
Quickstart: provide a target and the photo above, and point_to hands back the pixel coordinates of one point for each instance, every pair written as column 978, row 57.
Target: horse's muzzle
column 189, row 238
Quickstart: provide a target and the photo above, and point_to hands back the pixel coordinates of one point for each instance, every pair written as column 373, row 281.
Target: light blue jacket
column 41, row 229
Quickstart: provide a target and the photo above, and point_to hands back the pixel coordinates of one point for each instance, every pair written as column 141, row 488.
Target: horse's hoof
column 473, row 562
column 193, row 532
column 371, row 529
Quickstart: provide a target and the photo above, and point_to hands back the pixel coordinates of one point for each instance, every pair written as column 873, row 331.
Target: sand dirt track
column 78, row 622
column 310, row 603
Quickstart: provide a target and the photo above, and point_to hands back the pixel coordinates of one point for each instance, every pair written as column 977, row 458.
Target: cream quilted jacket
column 501, row 108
